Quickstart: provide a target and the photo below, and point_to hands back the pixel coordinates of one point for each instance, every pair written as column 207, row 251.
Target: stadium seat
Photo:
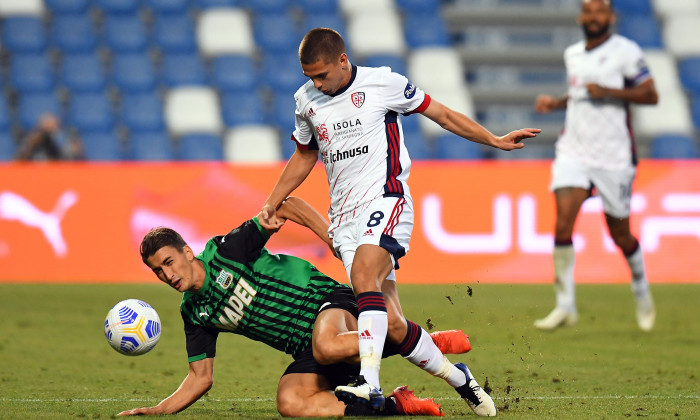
column 689, row 72
column 102, row 146
column 664, row 70
column 252, row 144
column 212, row 4
column 425, row 30
column 450, row 146
column 419, row 148
column 201, row 147
column 32, row 106
column 74, row 33
column 282, row 72
column 681, row 35
column 422, row 65
column 118, row 6
column 427, row 7
column 674, row 147
column 457, row 98
column 225, row 31
column 283, row 107
column 358, row 7
column 288, row 147
column 243, row 108
column 191, row 110
column 151, row 146
column 8, row 147
column 666, row 8
column 633, row 7
column 375, row 33
column 21, row 7
column 183, row 69
column 396, row 63
column 142, row 112
column 165, row 7
column 31, row 73
column 234, row 73
column 5, row 121
column 174, row 33
column 670, row 116
column 259, row 7
column 82, row 73
column 324, row 20
column 90, row 112
column 23, row 34
column 125, row 33
column 643, row 29
column 318, row 7
column 58, row 7
column 276, row 33
column 695, row 111
column 133, row 73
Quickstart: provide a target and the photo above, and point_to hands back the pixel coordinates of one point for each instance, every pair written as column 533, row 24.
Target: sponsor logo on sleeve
column 409, row 91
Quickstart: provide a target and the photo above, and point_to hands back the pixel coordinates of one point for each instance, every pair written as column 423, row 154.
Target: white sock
column 564, row 256
column 428, row 357
column 372, row 327
column 640, row 285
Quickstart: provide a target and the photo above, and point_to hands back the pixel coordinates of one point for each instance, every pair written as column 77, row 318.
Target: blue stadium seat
column 268, row 6
column 234, row 73
column 102, row 146
column 283, row 107
column 419, row 148
column 31, row 73
column 450, row 146
column 397, row 64
column 90, row 112
column 322, row 7
column 633, row 7
column 5, row 121
column 125, row 33
column 324, row 20
column 23, row 34
column 66, row 6
column 74, row 33
column 168, row 6
column 82, row 73
column 421, row 30
column 201, row 147
column 32, row 106
column 118, row 6
column 142, row 112
column 689, row 72
column 428, row 7
column 133, row 73
column 174, row 33
column 243, row 108
column 643, row 29
column 276, row 33
column 674, row 146
column 695, row 110
column 282, row 72
column 151, row 146
column 8, row 147
column 183, row 69
column 210, row 4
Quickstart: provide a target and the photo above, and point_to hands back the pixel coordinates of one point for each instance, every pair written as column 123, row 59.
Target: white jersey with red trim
column 598, row 132
column 358, row 133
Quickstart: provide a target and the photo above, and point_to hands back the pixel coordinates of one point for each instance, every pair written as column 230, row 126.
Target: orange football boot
column 410, row 405
column 451, row 341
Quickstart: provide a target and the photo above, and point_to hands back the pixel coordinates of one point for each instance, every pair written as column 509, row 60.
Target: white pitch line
column 509, row 397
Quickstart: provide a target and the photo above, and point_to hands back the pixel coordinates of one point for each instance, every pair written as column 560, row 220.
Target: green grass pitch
column 55, row 361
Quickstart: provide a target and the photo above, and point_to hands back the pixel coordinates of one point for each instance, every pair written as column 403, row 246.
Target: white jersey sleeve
column 635, row 68
column 303, row 133
column 402, row 96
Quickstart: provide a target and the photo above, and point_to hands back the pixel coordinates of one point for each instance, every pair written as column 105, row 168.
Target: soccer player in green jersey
column 236, row 285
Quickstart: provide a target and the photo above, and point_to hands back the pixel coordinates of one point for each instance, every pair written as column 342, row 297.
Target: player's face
column 596, row 17
column 331, row 76
column 174, row 267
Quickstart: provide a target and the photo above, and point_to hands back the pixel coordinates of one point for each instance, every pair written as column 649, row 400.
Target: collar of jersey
column 345, row 88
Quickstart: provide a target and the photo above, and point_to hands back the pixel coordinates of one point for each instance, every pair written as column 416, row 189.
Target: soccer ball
column 132, row 327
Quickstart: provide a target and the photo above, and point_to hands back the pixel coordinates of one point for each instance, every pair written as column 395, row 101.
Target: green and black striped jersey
column 272, row 298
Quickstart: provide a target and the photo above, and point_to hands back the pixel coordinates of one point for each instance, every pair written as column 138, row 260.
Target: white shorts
column 386, row 222
column 614, row 187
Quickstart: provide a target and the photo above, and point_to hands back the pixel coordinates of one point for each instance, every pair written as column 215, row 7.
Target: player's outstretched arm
column 298, row 168
column 198, row 381
column 301, row 212
column 463, row 126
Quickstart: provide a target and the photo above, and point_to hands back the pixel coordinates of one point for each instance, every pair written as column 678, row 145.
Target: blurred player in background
column 236, row 285
column 606, row 73
column 350, row 115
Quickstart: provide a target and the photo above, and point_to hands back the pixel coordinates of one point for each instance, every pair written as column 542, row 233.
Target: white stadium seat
column 225, row 31
column 681, row 35
column 252, row 144
column 665, row 8
column 376, row 33
column 21, row 7
column 435, row 68
column 670, row 116
column 457, row 98
column 664, row 70
column 190, row 110
column 352, row 7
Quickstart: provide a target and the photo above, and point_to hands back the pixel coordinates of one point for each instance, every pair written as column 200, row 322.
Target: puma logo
column 16, row 207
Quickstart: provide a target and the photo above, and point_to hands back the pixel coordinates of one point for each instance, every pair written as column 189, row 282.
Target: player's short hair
column 321, row 44
column 158, row 238
column 608, row 2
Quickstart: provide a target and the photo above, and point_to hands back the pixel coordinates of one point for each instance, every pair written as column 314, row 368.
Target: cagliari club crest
column 358, row 98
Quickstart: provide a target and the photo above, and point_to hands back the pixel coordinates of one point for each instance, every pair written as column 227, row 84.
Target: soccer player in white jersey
column 350, row 115
column 606, row 73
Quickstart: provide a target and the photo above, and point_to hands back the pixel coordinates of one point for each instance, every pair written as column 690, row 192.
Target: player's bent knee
column 289, row 404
